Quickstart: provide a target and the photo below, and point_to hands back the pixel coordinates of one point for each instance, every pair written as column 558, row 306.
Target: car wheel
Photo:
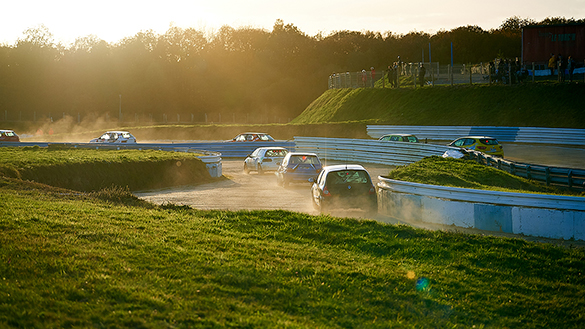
column 284, row 182
column 246, row 169
column 260, row 170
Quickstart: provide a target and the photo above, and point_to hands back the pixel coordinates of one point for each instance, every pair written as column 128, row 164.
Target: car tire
column 260, row 170
column 246, row 169
column 285, row 182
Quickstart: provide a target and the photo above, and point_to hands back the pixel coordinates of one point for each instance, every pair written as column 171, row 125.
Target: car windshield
column 348, row 176
column 304, row 159
column 265, row 138
column 489, row 141
column 9, row 133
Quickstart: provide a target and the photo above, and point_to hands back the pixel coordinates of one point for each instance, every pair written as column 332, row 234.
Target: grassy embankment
column 346, row 112
column 106, row 259
column 470, row 174
column 92, row 170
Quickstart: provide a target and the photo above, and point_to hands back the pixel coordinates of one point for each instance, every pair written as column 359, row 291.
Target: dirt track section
column 248, row 192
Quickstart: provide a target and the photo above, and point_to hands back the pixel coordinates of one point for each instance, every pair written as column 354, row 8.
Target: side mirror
column 311, row 180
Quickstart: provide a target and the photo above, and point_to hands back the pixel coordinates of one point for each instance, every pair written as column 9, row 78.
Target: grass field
column 108, row 260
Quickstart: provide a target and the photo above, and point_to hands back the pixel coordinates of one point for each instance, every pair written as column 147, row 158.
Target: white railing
column 536, row 135
column 368, row 150
column 550, row 216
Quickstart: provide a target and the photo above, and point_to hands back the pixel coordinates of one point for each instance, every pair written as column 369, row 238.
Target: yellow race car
column 484, row 144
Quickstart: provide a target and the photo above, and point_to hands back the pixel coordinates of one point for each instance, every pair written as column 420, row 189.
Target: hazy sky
column 113, row 20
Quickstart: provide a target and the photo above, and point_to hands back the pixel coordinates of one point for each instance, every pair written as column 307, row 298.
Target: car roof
column 116, row 132
column 6, row 130
column 397, row 135
column 253, row 133
column 477, row 137
column 344, row 167
column 272, row 148
column 301, row 153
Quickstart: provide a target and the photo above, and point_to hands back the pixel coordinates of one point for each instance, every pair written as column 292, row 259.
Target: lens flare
column 422, row 284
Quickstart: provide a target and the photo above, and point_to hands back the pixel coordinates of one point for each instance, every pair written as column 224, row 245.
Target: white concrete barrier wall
column 549, row 216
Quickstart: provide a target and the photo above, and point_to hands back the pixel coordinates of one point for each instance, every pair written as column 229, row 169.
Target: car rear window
column 489, row 141
column 276, row 153
column 304, row 159
column 347, row 176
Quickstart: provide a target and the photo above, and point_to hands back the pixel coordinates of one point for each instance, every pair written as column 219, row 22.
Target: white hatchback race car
column 264, row 159
column 116, row 137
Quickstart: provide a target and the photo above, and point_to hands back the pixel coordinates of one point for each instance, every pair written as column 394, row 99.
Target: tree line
column 241, row 74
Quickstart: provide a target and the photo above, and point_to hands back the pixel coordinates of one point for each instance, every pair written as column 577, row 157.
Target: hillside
column 530, row 105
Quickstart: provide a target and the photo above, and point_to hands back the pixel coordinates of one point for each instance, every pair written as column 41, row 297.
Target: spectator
column 570, row 67
column 552, row 63
column 364, row 78
column 373, row 75
column 421, row 75
column 562, row 64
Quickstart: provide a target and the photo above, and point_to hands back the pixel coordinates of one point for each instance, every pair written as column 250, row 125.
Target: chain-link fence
column 411, row 75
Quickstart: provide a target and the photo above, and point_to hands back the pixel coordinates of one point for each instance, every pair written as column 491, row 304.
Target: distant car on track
column 253, row 137
column 264, row 159
column 344, row 186
column 298, row 167
column 400, row 138
column 8, row 136
column 115, row 137
column 484, row 144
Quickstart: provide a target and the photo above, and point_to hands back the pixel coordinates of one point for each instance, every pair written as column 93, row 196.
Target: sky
column 113, row 20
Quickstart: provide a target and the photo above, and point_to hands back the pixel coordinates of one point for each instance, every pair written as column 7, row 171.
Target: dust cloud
column 65, row 129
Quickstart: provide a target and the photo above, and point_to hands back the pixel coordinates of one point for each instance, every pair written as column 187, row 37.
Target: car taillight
column 326, row 191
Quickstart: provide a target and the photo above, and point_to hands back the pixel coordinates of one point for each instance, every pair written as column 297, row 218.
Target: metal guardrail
column 401, row 153
column 573, row 179
column 368, row 150
column 533, row 135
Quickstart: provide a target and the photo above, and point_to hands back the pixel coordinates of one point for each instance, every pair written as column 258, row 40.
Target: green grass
column 93, row 170
column 531, row 105
column 437, row 170
column 103, row 261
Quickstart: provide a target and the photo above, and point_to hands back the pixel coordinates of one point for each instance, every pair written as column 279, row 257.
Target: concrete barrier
column 549, row 216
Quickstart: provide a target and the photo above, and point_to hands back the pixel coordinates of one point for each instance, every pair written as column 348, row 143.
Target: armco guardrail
column 550, row 216
column 533, row 135
column 565, row 177
column 368, row 150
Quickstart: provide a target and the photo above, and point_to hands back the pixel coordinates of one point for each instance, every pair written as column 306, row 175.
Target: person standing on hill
column 570, row 67
column 552, row 63
column 421, row 75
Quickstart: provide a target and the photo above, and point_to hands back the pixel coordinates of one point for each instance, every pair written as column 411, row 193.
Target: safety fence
column 533, row 135
column 413, row 75
column 401, row 153
column 368, row 150
column 573, row 179
column 549, row 216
